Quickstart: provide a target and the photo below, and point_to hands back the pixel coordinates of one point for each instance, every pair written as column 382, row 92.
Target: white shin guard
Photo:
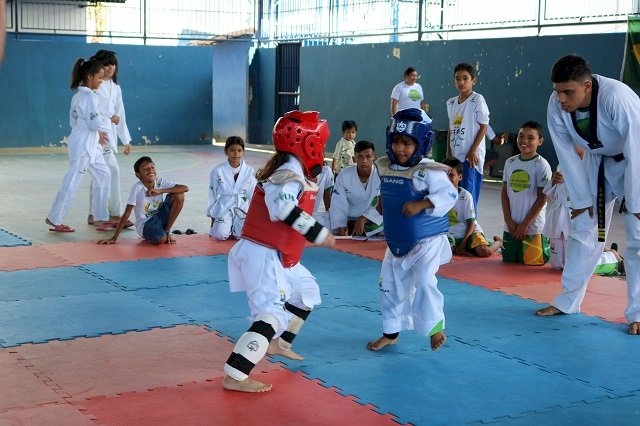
column 295, row 324
column 251, row 347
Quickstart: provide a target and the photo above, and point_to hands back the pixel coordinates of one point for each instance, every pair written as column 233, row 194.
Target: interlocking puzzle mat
column 143, row 340
column 9, row 239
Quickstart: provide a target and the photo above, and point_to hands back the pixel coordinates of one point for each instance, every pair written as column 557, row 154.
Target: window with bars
column 309, row 21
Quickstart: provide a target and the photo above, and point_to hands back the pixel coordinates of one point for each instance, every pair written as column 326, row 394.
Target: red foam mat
column 22, row 386
column 371, row 249
column 494, row 274
column 29, row 257
column 45, row 415
column 77, row 253
column 207, row 403
column 135, row 361
column 606, row 297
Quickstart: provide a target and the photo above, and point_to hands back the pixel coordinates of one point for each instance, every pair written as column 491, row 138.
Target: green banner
column 631, row 65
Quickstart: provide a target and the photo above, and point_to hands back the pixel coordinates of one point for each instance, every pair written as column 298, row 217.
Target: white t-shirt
column 343, row 154
column 523, row 178
column 407, row 96
column 144, row 207
column 464, row 123
column 461, row 214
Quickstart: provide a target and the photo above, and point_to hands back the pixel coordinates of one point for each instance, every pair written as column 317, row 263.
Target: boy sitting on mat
column 465, row 234
column 156, row 203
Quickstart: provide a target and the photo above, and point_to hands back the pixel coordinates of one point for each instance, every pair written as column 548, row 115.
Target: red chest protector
column 259, row 228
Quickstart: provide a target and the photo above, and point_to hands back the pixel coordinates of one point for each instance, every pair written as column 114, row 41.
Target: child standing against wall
column 112, row 108
column 468, row 120
column 88, row 135
column 523, row 200
column 343, row 154
column 231, row 186
column 265, row 263
column 416, row 196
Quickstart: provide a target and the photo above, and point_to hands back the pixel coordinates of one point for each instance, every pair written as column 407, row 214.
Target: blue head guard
column 416, row 124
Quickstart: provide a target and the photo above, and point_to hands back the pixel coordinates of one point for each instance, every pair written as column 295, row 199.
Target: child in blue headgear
column 416, row 196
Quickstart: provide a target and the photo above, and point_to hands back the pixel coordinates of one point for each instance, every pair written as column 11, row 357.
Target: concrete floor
column 31, row 177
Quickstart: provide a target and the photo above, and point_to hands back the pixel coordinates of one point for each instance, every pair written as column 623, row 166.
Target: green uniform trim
column 438, row 327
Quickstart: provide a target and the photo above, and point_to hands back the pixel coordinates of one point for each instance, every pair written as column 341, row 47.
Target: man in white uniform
column 355, row 196
column 600, row 115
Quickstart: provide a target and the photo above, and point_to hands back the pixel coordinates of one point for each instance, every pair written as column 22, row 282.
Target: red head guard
column 304, row 135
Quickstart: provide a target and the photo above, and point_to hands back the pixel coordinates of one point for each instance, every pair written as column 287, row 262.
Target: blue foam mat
column 154, row 273
column 476, row 314
column 623, row 411
column 8, row 239
column 457, row 385
column 322, row 258
column 49, row 282
column 40, row 320
column 205, row 303
column 603, row 355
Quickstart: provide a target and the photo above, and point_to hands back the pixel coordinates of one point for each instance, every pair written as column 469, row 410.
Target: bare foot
column 90, row 219
column 634, row 328
column 438, row 340
column 381, row 343
column 498, row 239
column 549, row 311
column 48, row 222
column 275, row 349
column 247, row 385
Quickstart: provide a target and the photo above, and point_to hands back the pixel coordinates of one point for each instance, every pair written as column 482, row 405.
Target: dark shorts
column 153, row 230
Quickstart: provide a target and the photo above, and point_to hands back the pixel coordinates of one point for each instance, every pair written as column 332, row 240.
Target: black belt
column 600, row 198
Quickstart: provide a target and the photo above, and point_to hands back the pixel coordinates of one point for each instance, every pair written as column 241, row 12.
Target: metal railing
column 309, row 21
column 144, row 20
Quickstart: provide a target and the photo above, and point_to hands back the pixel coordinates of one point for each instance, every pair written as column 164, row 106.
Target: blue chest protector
column 396, row 188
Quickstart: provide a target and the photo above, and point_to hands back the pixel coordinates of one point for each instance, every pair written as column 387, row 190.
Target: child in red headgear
column 265, row 262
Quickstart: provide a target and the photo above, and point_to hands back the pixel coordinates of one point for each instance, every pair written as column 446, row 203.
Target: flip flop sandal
column 107, row 226
column 177, row 232
column 190, row 231
column 61, row 228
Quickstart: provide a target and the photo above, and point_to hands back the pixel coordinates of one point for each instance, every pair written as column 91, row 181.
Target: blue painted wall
column 166, row 90
column 230, row 89
column 262, row 83
column 355, row 82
